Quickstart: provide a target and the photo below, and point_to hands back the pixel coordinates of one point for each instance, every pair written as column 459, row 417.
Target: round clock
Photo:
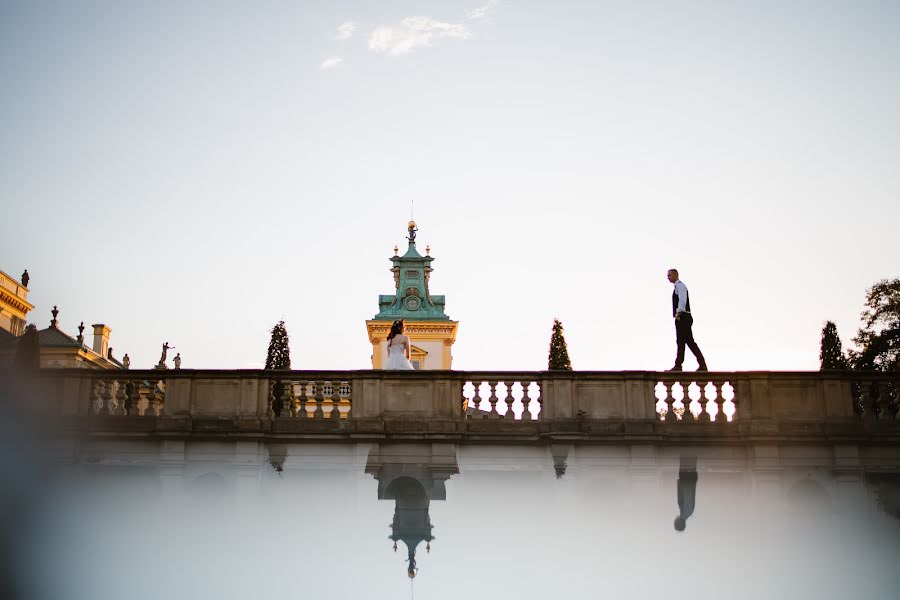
column 413, row 303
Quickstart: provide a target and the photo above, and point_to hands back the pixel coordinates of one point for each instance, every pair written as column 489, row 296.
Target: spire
column 54, row 312
column 412, row 298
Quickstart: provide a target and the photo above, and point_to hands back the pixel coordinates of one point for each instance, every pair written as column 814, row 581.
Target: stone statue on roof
column 165, row 350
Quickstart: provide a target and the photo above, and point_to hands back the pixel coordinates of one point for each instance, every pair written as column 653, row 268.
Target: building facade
column 14, row 305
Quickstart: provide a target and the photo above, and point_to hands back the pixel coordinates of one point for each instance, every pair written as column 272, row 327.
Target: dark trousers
column 685, row 337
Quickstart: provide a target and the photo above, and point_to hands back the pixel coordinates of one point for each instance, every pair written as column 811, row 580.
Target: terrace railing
column 467, row 401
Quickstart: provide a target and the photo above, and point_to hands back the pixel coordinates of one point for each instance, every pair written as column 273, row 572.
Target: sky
column 193, row 172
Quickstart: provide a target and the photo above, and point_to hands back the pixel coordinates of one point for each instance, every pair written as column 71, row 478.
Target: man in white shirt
column 681, row 310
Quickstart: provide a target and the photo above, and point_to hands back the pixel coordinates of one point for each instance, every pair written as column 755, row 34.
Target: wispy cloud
column 476, row 14
column 345, row 30
column 413, row 33
column 330, row 63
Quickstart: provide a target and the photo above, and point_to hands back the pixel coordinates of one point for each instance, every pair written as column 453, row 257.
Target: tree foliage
column 878, row 340
column 28, row 350
column 279, row 355
column 559, row 353
column 831, row 352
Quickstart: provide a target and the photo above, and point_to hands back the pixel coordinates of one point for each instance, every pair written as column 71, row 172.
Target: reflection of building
column 431, row 332
column 412, row 477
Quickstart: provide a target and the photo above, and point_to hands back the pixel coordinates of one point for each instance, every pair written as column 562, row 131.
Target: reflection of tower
column 412, row 477
column 431, row 332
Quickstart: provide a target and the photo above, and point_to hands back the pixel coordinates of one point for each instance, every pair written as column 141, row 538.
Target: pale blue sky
column 189, row 171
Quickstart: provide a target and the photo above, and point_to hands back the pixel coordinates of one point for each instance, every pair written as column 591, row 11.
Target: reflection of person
column 687, row 493
column 684, row 336
column 398, row 348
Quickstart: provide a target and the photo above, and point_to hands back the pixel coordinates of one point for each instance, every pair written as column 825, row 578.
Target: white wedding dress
column 397, row 360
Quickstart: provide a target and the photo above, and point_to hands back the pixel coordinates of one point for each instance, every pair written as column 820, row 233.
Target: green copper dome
column 412, row 300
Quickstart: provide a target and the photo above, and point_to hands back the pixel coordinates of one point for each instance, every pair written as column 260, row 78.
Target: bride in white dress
column 398, row 348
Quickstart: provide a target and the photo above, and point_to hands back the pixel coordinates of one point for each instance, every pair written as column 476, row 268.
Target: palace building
column 14, row 305
column 58, row 350
column 431, row 332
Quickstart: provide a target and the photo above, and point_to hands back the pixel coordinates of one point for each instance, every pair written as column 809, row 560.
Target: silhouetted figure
column 165, row 350
column 687, row 492
column 126, row 361
column 25, row 278
column 178, row 360
column 684, row 335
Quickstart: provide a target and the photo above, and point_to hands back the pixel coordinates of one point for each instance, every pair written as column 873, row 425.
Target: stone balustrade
column 517, row 405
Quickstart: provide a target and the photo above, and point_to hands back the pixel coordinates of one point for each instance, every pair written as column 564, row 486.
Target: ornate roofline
column 16, row 302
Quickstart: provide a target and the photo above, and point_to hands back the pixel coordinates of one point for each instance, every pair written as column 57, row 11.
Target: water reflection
column 412, row 480
column 686, row 491
column 225, row 520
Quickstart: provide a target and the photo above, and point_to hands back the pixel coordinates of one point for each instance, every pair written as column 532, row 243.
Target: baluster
column 106, row 407
column 526, row 401
column 673, row 414
column 476, row 398
column 510, row 400
column 96, row 397
column 349, row 397
column 703, row 403
column 120, row 396
column 133, row 401
column 540, row 401
column 274, row 399
column 152, row 399
column 718, row 402
column 301, row 408
column 335, row 401
column 688, row 402
column 493, row 414
column 668, row 402
column 875, row 397
column 287, row 399
column 856, row 394
column 319, row 399
column 891, row 393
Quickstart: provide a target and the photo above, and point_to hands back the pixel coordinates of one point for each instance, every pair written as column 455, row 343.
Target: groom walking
column 681, row 310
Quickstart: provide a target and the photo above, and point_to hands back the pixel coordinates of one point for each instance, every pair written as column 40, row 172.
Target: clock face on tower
column 412, row 303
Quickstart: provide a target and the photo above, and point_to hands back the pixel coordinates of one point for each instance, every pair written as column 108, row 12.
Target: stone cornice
column 378, row 330
column 14, row 301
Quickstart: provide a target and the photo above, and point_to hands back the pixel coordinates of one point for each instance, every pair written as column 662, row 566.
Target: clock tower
column 431, row 332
